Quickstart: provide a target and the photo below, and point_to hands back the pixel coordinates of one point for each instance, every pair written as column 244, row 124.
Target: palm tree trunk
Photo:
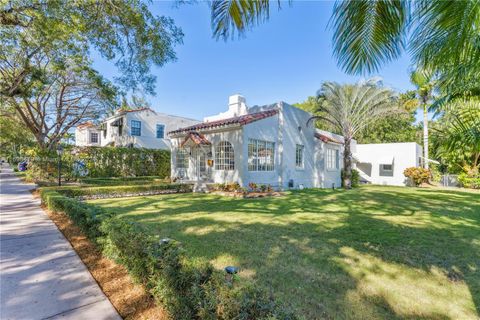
column 425, row 135
column 347, row 165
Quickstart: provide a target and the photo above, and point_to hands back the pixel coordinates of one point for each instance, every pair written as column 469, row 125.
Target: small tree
column 349, row 109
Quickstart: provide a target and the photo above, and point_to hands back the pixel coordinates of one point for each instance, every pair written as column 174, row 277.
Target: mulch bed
column 130, row 299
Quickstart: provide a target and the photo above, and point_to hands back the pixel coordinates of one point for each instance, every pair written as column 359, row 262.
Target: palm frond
column 446, row 36
column 234, row 17
column 367, row 34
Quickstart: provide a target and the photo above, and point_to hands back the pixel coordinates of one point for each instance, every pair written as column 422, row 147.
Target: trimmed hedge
column 122, row 190
column 123, row 180
column 186, row 288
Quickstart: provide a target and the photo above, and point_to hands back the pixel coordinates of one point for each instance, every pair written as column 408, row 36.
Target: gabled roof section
column 241, row 120
column 196, row 139
column 326, row 139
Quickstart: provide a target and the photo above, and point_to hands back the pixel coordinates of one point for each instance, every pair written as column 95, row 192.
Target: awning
column 386, row 160
column 117, row 123
column 431, row 160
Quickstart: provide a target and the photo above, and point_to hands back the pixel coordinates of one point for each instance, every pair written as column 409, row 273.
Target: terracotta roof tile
column 326, row 139
column 241, row 120
column 197, row 138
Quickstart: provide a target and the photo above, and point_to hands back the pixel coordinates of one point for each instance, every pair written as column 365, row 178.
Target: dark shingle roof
column 242, row 120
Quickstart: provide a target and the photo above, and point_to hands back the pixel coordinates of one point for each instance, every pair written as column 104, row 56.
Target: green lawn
column 374, row 252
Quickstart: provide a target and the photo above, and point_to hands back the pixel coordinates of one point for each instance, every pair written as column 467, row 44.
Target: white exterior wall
column 82, row 137
column 404, row 155
column 285, row 129
column 148, row 138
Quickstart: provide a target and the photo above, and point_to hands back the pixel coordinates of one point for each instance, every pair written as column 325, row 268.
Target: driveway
column 41, row 276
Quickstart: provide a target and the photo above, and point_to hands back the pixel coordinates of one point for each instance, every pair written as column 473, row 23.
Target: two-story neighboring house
column 87, row 134
column 273, row 144
column 140, row 128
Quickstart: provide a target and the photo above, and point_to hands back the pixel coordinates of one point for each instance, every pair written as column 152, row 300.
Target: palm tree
column 462, row 130
column 423, row 80
column 350, row 109
column 440, row 35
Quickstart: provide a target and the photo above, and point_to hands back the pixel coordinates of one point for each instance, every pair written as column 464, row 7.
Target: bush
column 469, row 181
column 417, row 175
column 99, row 162
column 355, row 179
column 188, row 289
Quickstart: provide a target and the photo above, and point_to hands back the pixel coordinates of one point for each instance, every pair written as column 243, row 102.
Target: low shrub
column 111, row 181
column 227, row 187
column 355, row 179
column 469, row 181
column 122, row 189
column 417, row 175
column 186, row 288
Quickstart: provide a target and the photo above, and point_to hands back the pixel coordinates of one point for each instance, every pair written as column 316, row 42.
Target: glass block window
column 136, row 128
column 261, row 155
column 299, row 156
column 181, row 158
column 224, row 156
column 160, row 131
column 333, row 159
column 93, row 137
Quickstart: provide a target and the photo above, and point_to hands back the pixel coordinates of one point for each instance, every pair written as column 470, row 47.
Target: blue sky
column 285, row 59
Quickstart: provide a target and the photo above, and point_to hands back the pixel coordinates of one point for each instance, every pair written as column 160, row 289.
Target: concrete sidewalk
column 41, row 276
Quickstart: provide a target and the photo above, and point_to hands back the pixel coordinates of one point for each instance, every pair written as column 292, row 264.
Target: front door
column 200, row 158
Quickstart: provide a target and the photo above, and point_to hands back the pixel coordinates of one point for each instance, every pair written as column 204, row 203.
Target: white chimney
column 237, row 105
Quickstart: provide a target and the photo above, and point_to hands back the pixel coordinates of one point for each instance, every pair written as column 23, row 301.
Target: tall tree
column 60, row 101
column 123, row 31
column 424, row 83
column 350, row 109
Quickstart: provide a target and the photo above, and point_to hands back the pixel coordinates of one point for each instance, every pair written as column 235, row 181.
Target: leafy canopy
column 123, row 31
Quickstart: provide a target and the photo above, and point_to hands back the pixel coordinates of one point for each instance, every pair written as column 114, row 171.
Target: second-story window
column 160, row 131
column 299, row 156
column 136, row 128
column 93, row 137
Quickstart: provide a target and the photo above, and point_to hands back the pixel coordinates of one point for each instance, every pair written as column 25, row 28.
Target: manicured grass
column 371, row 253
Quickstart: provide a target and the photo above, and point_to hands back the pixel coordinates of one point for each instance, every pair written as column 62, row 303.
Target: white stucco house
column 273, row 144
column 141, row 128
column 384, row 163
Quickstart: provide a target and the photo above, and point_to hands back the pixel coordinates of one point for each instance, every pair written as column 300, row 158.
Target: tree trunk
column 425, row 135
column 347, row 164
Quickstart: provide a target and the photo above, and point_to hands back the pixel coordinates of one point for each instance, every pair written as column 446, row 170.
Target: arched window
column 224, row 156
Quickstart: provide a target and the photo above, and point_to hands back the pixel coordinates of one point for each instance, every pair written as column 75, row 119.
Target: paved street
column 41, row 276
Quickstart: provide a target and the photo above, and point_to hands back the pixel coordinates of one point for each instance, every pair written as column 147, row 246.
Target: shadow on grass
column 366, row 253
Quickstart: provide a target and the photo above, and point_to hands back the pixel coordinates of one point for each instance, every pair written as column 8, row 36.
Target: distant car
column 22, row 166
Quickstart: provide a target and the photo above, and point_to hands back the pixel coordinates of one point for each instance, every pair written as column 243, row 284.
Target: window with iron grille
column 160, row 131
column 224, row 156
column 299, row 156
column 181, row 159
column 136, row 128
column 333, row 159
column 261, row 155
column 93, row 137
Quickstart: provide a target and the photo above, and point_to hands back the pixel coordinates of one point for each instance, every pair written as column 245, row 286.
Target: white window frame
column 181, row 158
column 299, row 156
column 332, row 159
column 224, row 156
column 257, row 162
column 91, row 136
column 159, row 125
column 139, row 128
